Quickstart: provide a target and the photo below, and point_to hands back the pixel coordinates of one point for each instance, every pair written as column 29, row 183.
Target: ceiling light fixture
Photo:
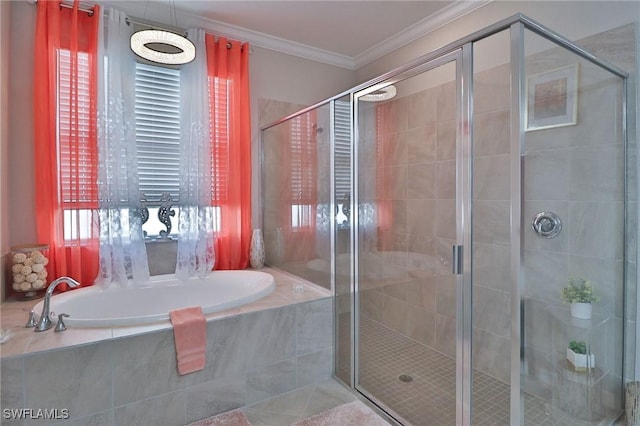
column 382, row 94
column 140, row 40
column 148, row 43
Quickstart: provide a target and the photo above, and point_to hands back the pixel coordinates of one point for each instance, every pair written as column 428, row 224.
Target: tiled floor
column 299, row 404
column 429, row 398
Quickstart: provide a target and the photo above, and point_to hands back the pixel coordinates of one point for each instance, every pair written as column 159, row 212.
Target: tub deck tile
column 14, row 314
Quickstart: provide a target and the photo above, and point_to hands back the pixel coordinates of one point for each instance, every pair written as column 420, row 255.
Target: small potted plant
column 578, row 358
column 579, row 293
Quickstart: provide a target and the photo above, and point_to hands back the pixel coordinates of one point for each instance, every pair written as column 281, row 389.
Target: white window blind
column 219, row 89
column 77, row 191
column 342, row 125
column 73, row 140
column 157, row 111
column 303, row 170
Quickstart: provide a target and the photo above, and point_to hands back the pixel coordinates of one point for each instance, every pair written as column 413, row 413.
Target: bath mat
column 352, row 414
column 230, row 418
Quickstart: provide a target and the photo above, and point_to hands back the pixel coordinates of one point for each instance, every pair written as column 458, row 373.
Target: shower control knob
column 546, row 224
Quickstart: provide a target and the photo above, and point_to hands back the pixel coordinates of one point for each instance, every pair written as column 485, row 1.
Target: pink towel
column 190, row 335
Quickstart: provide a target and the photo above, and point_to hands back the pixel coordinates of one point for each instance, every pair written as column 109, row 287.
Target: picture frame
column 552, row 98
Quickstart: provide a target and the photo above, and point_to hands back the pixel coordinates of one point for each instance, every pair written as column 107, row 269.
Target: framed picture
column 552, row 98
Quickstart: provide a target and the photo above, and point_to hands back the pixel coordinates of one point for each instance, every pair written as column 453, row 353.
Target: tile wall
column 134, row 380
column 578, row 172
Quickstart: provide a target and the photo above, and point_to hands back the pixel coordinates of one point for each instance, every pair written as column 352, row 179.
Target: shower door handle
column 456, row 260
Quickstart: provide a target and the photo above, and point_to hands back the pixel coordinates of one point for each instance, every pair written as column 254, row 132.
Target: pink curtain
column 65, row 136
column 230, row 129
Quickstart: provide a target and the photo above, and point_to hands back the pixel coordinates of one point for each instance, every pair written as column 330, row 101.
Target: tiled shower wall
column 491, row 221
column 134, row 380
column 578, row 172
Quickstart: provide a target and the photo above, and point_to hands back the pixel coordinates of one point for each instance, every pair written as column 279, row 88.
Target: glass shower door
column 408, row 300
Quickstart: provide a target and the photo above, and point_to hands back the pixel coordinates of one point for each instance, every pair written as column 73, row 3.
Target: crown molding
column 266, row 41
column 417, row 30
column 255, row 38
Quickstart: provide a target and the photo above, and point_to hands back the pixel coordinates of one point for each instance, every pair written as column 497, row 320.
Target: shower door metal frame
column 516, row 232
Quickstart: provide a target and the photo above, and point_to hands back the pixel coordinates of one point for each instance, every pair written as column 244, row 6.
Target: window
column 157, row 110
column 77, row 198
column 157, row 124
column 219, row 130
column 303, row 173
column 342, row 125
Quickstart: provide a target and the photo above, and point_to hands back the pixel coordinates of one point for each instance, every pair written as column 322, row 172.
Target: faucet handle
column 32, row 320
column 60, row 326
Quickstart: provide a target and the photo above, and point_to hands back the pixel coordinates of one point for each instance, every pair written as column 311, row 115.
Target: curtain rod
column 88, row 8
column 81, row 8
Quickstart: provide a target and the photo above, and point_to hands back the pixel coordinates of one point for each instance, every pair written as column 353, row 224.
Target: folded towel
column 190, row 335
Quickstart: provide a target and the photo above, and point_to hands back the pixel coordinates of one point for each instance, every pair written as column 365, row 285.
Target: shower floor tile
column 429, row 398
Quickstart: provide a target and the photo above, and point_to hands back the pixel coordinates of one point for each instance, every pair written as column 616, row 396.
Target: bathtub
column 119, row 306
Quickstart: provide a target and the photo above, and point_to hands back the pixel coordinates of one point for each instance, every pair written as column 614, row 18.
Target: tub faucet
column 45, row 323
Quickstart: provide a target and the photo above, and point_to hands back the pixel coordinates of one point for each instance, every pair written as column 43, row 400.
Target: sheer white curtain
column 123, row 254
column 196, row 252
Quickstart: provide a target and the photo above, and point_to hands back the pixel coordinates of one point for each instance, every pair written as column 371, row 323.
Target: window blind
column 342, row 143
column 303, row 159
column 219, row 133
column 76, row 188
column 157, row 111
column 303, row 170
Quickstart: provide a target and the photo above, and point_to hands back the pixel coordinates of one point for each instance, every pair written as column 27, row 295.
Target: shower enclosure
column 446, row 204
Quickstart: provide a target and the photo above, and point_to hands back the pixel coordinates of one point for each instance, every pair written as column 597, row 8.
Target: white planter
column 581, row 310
column 581, row 362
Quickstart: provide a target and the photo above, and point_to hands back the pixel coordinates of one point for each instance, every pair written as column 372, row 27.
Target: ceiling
column 344, row 33
column 343, row 27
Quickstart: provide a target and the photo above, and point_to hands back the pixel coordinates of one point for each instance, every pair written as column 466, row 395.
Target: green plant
column 578, row 347
column 578, row 290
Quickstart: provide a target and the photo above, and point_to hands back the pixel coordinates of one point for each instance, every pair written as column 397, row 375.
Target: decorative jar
column 256, row 252
column 29, row 270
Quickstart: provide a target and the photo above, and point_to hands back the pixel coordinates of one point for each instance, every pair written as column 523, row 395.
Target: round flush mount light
column 383, row 94
column 140, row 40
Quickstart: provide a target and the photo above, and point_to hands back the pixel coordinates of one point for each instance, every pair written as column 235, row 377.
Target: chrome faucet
column 45, row 323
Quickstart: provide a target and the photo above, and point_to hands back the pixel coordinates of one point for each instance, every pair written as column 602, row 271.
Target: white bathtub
column 118, row 306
